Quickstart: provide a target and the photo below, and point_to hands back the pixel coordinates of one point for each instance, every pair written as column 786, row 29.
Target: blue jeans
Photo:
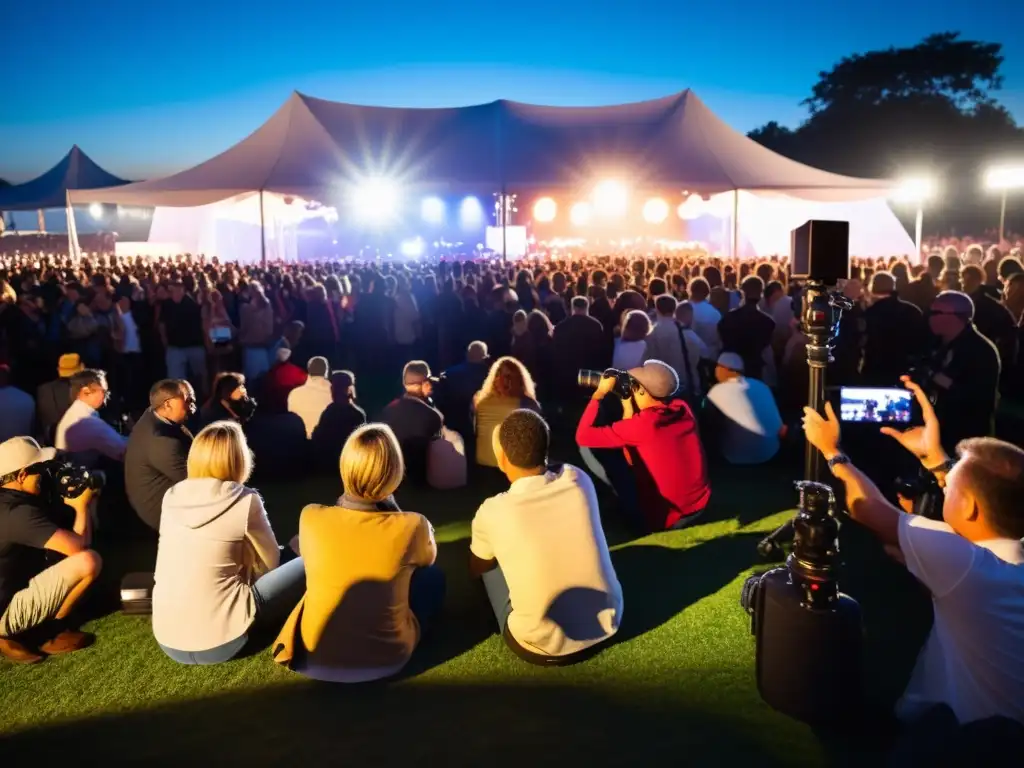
column 181, row 361
column 276, row 594
column 498, row 596
column 426, row 595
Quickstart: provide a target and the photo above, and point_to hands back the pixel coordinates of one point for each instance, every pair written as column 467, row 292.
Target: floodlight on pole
column 1003, row 179
column 916, row 190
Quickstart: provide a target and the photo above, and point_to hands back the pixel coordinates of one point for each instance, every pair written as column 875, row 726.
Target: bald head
column 882, row 284
column 950, row 314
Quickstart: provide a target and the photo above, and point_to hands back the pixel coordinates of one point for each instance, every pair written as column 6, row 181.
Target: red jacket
column 664, row 449
column 281, row 379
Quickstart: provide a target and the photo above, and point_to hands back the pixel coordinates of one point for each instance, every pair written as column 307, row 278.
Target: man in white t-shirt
column 541, row 550
column 742, row 417
column 972, row 563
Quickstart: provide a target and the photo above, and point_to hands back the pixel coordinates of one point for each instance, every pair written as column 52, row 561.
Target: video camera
column 624, row 383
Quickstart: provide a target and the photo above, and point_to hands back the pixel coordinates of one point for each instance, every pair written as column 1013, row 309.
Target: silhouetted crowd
column 652, row 363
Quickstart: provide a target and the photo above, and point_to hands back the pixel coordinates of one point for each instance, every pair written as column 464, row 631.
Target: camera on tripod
column 808, row 636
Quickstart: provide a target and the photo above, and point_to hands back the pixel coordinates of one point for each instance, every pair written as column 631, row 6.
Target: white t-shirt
column 973, row 659
column 546, row 534
column 749, row 429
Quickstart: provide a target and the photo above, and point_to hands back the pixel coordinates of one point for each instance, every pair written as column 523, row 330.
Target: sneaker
column 17, row 653
column 68, row 641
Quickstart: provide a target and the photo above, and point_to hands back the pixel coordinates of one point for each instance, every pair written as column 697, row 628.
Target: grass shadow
column 660, row 582
column 401, row 723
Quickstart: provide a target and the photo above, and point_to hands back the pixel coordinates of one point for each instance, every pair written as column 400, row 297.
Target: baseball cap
column 68, row 365
column 732, row 361
column 656, row 377
column 20, row 452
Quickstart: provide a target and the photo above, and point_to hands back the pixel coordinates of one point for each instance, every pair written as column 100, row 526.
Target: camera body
column 64, row 480
column 624, row 383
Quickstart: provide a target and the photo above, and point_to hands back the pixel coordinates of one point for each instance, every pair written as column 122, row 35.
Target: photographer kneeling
column 973, row 659
column 661, row 480
column 36, row 599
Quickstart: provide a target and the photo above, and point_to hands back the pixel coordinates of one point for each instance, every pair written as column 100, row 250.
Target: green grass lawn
column 676, row 687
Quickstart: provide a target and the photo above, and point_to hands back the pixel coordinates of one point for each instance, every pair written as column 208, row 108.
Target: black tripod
column 823, row 309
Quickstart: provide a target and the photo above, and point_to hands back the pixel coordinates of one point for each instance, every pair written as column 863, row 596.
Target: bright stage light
column 471, row 213
column 96, row 211
column 580, row 214
column 432, row 210
column 412, row 248
column 545, row 209
column 1005, row 177
column 915, row 190
column 611, row 198
column 655, row 210
column 376, row 200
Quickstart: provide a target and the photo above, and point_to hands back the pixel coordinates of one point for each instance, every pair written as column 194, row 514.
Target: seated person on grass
column 35, row 597
column 541, row 551
column 372, row 588
column 414, row 419
column 656, row 466
column 972, row 563
column 219, row 575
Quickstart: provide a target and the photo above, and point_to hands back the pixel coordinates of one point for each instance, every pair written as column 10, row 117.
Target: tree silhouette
column 930, row 106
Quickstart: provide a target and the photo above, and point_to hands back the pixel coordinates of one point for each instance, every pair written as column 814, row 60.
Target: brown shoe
column 17, row 653
column 68, row 641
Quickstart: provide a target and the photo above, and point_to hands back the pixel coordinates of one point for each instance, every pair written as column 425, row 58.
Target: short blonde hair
column 371, row 463
column 220, row 451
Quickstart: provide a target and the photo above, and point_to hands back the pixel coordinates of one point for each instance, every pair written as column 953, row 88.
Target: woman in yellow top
column 371, row 582
column 508, row 387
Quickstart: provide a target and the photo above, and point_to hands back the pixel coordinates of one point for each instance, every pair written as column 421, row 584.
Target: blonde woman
column 218, row 566
column 508, row 387
column 371, row 585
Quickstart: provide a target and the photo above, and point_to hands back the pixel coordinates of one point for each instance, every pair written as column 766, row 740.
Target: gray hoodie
column 215, row 540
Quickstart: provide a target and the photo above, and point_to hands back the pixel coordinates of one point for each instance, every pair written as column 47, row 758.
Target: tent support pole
column 735, row 223
column 505, row 209
column 263, row 236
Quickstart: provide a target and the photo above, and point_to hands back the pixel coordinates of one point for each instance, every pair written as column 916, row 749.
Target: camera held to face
column 65, row 480
column 624, row 383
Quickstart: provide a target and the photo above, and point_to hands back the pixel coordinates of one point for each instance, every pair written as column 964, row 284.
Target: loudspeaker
column 820, row 251
column 808, row 660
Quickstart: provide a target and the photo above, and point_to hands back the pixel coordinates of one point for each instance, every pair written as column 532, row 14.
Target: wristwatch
column 945, row 466
column 839, row 458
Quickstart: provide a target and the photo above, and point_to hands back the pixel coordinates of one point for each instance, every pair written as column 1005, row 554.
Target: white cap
column 20, row 452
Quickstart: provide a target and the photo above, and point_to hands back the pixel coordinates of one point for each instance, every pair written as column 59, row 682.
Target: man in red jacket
column 280, row 380
column 663, row 480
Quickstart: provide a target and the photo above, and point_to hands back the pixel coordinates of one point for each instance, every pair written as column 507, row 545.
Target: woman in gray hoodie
column 218, row 565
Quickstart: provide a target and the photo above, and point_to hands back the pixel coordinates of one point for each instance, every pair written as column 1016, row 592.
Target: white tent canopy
column 314, row 148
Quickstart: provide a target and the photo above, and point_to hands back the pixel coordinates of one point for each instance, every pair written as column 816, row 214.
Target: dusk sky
column 147, row 90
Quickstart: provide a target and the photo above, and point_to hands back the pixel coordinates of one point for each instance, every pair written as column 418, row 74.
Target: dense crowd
column 709, row 361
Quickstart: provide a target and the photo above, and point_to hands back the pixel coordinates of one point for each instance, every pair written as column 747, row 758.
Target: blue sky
column 150, row 88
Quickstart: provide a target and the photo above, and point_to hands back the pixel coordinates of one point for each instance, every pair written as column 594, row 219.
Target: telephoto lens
column 592, row 380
